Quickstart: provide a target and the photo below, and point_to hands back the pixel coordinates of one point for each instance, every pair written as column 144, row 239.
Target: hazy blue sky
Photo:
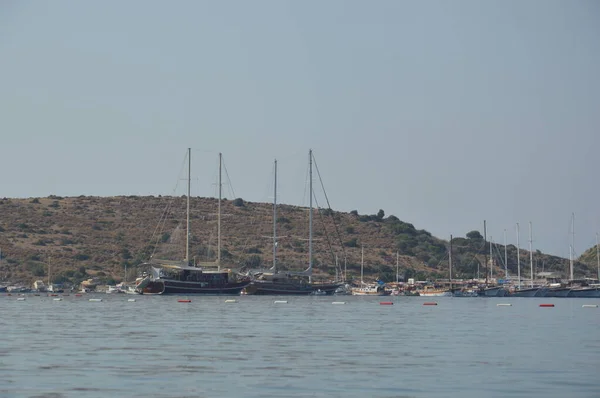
column 443, row 113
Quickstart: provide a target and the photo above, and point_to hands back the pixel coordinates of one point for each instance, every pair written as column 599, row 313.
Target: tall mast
column 505, row 257
column 530, row 253
column 187, row 220
column 450, row 263
column 570, row 262
column 362, row 261
column 397, row 268
column 275, row 220
column 484, row 240
column 345, row 269
column 491, row 260
column 310, row 217
column 219, row 215
column 572, row 247
column 597, row 256
column 518, row 258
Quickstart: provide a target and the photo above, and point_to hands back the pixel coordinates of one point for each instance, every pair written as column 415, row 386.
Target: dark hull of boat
column 493, row 292
column 328, row 288
column 585, row 292
column 267, row 288
column 558, row 292
column 180, row 287
column 533, row 292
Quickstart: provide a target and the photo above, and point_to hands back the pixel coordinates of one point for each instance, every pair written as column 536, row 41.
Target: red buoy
column 386, row 303
column 546, row 305
column 430, row 303
column 78, row 295
column 184, row 301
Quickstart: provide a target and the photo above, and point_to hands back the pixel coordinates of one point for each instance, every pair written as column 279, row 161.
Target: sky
column 441, row 113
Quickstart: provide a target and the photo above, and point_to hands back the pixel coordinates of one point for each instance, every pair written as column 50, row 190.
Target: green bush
column 238, row 202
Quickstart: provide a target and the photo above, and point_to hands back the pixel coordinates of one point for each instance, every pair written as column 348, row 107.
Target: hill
column 590, row 258
column 75, row 238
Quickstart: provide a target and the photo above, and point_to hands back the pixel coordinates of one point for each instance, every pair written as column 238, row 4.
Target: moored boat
column 529, row 292
column 185, row 279
column 557, row 292
column 370, row 290
column 587, row 292
column 494, row 291
column 431, row 291
column 276, row 282
column 181, row 277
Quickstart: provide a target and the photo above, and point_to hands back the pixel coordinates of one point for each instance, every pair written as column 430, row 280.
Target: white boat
column 368, row 289
column 434, row 292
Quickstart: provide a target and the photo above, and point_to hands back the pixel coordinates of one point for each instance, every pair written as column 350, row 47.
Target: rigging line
column 306, row 177
column 320, row 212
column 339, row 236
column 227, row 175
column 162, row 221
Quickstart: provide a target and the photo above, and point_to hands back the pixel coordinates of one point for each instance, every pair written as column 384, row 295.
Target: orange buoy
column 430, row 303
column 386, row 303
column 184, row 301
column 546, row 305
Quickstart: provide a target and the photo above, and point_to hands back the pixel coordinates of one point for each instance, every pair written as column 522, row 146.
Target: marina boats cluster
column 183, row 277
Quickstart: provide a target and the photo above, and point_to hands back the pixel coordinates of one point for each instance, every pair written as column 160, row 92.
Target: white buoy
column 21, row 299
column 590, row 306
column 231, row 301
column 280, row 302
column 95, row 300
column 503, row 305
column 338, row 302
column 131, row 300
column 57, row 299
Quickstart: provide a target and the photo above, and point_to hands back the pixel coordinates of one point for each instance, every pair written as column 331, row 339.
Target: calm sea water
column 157, row 347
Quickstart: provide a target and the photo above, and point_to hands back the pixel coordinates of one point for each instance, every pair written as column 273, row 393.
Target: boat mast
column 397, row 268
column 531, row 253
column 572, row 247
column 362, row 261
column 450, row 263
column 518, row 258
column 187, row 222
column 484, row 240
column 491, row 260
column 597, row 256
column 275, row 220
column 310, row 217
column 505, row 257
column 219, row 215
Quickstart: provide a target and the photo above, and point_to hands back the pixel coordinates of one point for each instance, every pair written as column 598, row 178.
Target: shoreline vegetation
column 67, row 240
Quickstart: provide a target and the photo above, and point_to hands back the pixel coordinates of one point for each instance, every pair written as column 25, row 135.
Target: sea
column 268, row 346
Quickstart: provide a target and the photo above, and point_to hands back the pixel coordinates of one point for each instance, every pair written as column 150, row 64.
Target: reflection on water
column 157, row 347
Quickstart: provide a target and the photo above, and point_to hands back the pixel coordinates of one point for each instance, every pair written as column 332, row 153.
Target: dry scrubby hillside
column 83, row 236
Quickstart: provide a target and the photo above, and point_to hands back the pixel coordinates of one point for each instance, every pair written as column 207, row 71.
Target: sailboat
column 531, row 291
column 580, row 288
column 183, row 277
column 276, row 282
column 370, row 289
